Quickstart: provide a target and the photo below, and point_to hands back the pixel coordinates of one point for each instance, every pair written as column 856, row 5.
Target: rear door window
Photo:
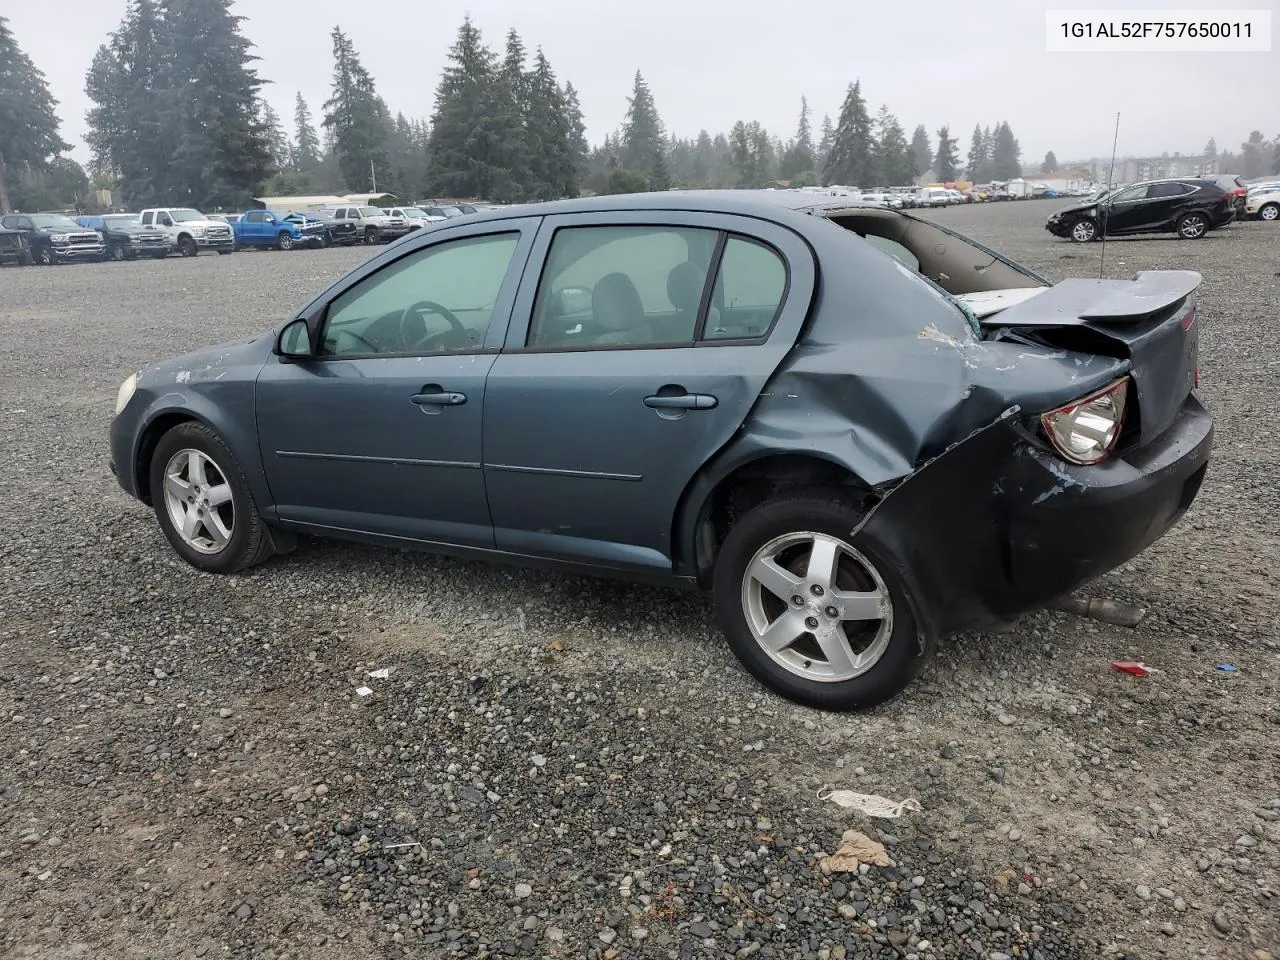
column 750, row 287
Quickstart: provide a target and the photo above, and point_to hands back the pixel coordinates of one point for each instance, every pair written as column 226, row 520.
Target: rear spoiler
column 1078, row 301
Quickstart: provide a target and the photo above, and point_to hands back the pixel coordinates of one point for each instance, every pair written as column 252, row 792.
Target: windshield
column 415, row 213
column 121, row 220
column 373, row 211
column 56, row 220
column 185, row 216
column 451, row 211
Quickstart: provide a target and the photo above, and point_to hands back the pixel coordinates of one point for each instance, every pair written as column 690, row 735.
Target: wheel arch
column 738, row 480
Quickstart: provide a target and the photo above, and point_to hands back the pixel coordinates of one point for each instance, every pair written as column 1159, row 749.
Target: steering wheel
column 408, row 336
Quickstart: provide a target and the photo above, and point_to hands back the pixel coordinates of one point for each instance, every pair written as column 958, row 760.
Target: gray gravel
column 566, row 768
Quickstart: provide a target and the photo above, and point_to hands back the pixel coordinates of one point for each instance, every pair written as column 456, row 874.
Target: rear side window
column 749, row 290
column 622, row 286
column 1168, row 190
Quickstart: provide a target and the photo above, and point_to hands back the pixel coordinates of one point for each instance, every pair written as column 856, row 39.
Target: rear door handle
column 688, row 401
column 438, row 398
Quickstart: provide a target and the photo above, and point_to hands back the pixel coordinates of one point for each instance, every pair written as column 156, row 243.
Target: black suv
column 1189, row 207
column 55, row 237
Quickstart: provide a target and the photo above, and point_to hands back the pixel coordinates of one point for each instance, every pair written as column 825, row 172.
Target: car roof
column 778, row 206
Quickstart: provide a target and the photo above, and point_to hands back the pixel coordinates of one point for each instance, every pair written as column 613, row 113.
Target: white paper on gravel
column 868, row 803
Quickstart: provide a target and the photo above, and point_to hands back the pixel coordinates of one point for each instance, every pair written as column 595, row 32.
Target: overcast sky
column 712, row 62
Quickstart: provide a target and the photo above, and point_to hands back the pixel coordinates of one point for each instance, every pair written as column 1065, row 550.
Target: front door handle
column 438, row 398
column 688, row 401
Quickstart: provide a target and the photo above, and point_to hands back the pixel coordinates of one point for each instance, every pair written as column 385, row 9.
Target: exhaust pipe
column 1099, row 608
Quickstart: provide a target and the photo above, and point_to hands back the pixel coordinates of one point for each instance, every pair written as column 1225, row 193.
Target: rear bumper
column 996, row 527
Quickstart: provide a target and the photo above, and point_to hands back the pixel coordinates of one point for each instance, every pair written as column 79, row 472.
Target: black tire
column 1084, row 230
column 47, row 257
column 824, row 512
column 187, row 247
column 1192, row 226
column 118, row 253
column 1269, row 212
column 284, row 241
column 371, row 235
column 250, row 541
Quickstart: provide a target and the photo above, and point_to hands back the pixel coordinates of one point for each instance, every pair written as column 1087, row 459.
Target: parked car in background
column 1190, row 208
column 277, row 230
column 858, row 447
column 341, row 233
column 932, row 197
column 55, row 237
column 126, row 238
column 447, row 211
column 1263, row 204
column 372, row 224
column 416, row 217
column 1232, row 185
column 13, row 248
column 227, row 218
column 190, row 231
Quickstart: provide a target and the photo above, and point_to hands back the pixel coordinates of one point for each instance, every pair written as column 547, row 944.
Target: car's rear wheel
column 812, row 610
column 1083, row 231
column 1269, row 211
column 1192, row 226
column 203, row 502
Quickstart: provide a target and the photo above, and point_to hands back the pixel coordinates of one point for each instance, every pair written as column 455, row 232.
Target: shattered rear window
column 915, row 275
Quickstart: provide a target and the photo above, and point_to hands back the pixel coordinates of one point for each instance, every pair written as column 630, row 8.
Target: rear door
column 1165, row 202
column 638, row 345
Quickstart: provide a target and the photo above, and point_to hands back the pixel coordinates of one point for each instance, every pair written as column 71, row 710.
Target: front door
column 634, row 357
column 381, row 431
column 1126, row 211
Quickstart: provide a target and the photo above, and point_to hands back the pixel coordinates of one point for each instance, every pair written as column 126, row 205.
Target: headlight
column 197, row 231
column 125, row 393
column 58, row 237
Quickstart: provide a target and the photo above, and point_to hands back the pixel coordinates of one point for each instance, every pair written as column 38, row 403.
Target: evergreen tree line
column 178, row 117
column 856, row 150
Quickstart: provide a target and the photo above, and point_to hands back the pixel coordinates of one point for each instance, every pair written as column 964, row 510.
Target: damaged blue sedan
column 858, row 429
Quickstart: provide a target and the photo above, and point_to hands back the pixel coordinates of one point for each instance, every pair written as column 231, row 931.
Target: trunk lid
column 1148, row 320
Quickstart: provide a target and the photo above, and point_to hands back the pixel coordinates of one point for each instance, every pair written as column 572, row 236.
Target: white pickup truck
column 190, row 231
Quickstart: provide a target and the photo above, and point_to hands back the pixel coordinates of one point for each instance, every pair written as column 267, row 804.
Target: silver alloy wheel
column 1192, row 226
column 286, row 241
column 817, row 606
column 1083, row 231
column 1270, row 212
column 198, row 500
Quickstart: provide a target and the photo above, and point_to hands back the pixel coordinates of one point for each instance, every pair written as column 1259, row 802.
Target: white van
column 933, row 197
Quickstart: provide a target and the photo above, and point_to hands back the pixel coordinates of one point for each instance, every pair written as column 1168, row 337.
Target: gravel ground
column 558, row 767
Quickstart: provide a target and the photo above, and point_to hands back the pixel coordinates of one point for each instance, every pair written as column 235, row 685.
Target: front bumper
column 1059, row 228
column 996, row 526
column 79, row 251
column 215, row 243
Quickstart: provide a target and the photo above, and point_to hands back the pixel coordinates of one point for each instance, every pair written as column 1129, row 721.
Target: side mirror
column 294, row 341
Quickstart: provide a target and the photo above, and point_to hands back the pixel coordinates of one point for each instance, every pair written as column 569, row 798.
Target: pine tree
column 356, row 119
column 799, row 158
column 921, row 152
column 575, row 171
column 306, row 142
column 127, row 83
column 977, row 160
column 945, row 161
column 277, row 140
column 849, row 160
column 892, row 153
column 1050, row 164
column 642, row 136
column 552, row 161
column 1256, row 155
column 512, row 161
column 466, row 129
column 703, row 160
column 1005, row 154
column 219, row 149
column 28, row 125
column 824, row 144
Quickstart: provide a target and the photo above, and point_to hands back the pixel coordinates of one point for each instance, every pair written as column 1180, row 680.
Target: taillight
column 1189, row 319
column 1087, row 430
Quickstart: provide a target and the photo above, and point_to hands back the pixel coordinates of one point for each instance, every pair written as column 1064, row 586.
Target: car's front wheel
column 285, row 240
column 1269, row 212
column 1083, row 231
column 118, row 253
column 810, row 609
column 203, row 502
column 47, row 256
column 1192, row 226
